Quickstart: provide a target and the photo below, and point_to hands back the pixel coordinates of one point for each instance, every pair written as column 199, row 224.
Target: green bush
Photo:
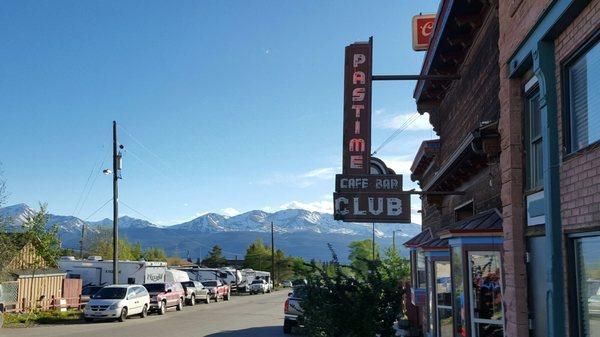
column 351, row 302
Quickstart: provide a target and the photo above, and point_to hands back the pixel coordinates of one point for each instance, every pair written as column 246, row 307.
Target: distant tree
column 176, row 261
column 154, row 254
column 397, row 266
column 136, row 252
column 45, row 240
column 258, row 256
column 361, row 251
column 215, row 258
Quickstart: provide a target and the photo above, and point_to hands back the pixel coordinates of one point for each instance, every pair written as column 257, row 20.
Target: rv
column 98, row 272
column 227, row 275
column 249, row 275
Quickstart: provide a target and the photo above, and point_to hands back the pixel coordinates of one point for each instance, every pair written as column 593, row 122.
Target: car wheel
column 287, row 326
column 162, row 309
column 179, row 306
column 123, row 316
column 144, row 312
column 193, row 300
column 227, row 297
column 207, row 299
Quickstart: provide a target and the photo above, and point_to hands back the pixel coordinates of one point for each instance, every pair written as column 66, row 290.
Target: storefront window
column 587, row 257
column 485, row 279
column 459, row 292
column 421, row 272
column 443, row 291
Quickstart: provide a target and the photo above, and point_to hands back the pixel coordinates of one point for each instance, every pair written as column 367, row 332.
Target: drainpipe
column 544, row 69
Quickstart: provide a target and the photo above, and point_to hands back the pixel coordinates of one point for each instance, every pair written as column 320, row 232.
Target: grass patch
column 20, row 320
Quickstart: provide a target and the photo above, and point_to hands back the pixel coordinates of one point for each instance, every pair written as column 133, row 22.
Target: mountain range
column 298, row 232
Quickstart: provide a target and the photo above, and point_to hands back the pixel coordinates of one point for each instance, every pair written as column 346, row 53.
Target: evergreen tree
column 215, row 258
column 362, row 251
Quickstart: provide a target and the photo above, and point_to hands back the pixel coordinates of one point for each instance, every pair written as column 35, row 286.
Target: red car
column 165, row 295
column 217, row 289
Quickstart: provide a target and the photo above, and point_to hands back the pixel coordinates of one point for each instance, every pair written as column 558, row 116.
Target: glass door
column 485, row 288
column 443, row 294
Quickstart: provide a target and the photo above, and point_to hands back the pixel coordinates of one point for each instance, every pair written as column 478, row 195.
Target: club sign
column 361, row 196
column 422, row 30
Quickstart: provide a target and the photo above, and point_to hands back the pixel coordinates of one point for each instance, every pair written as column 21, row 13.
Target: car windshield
column 209, row 283
column 110, row 293
column 257, row 282
column 155, row 287
column 299, row 292
column 90, row 290
column 187, row 284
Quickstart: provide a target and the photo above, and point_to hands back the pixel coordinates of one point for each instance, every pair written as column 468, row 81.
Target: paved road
column 252, row 316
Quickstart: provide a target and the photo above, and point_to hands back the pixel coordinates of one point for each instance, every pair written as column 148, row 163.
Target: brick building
column 519, row 136
column 457, row 259
column 550, row 127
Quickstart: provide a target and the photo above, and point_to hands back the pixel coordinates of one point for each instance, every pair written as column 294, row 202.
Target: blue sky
column 225, row 106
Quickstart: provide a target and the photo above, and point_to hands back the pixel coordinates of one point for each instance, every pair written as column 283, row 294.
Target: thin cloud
column 322, row 206
column 394, row 121
column 301, row 180
column 230, row 211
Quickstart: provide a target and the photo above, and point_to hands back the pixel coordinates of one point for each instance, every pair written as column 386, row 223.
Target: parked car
column 217, row 289
column 287, row 284
column 165, row 295
column 86, row 294
column 260, row 286
column 117, row 302
column 195, row 291
column 292, row 309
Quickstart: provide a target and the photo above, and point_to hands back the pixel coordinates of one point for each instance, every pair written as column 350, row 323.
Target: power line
column 398, row 131
column 93, row 183
column 98, row 210
column 79, row 205
column 167, row 166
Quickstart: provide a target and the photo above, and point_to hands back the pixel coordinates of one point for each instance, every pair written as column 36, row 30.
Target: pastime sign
column 357, row 108
column 422, row 29
column 371, row 207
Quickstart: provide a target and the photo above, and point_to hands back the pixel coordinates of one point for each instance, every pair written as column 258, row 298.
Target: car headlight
column 115, row 306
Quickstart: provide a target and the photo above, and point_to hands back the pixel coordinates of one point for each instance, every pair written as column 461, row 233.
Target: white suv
column 117, row 302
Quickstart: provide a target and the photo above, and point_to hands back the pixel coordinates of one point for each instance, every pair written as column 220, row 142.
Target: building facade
column 522, row 252
column 550, row 127
column 457, row 259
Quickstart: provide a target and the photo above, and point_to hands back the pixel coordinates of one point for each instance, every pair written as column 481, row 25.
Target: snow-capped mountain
column 299, row 232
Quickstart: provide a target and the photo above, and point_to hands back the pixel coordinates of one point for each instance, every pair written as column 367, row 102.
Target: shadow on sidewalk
column 263, row 331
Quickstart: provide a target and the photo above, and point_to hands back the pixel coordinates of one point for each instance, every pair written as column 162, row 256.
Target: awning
column 487, row 223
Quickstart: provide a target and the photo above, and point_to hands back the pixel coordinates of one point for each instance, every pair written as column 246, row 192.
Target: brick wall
column 579, row 172
column 516, row 19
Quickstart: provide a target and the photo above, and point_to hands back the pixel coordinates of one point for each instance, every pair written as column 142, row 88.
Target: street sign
column 422, row 30
column 368, row 183
column 357, row 108
column 372, row 207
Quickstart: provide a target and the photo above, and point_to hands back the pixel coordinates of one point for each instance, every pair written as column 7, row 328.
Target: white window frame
column 448, row 307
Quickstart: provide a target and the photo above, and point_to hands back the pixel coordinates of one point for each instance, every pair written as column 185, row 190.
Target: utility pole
column 81, row 242
column 394, row 237
column 373, row 241
column 272, row 255
column 116, row 159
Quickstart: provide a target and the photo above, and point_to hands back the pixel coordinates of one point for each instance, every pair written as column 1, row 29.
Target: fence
column 9, row 296
column 30, row 293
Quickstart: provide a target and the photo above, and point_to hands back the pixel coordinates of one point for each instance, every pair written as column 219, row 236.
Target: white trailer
column 228, row 275
column 98, row 272
column 249, row 275
column 174, row 275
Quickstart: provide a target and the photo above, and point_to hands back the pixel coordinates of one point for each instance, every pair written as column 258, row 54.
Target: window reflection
column 459, row 295
column 587, row 252
column 486, row 294
column 443, row 290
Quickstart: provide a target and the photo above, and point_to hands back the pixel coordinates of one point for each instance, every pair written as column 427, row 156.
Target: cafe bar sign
column 361, row 196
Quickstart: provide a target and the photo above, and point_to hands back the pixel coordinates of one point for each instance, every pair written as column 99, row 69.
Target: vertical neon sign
column 357, row 108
